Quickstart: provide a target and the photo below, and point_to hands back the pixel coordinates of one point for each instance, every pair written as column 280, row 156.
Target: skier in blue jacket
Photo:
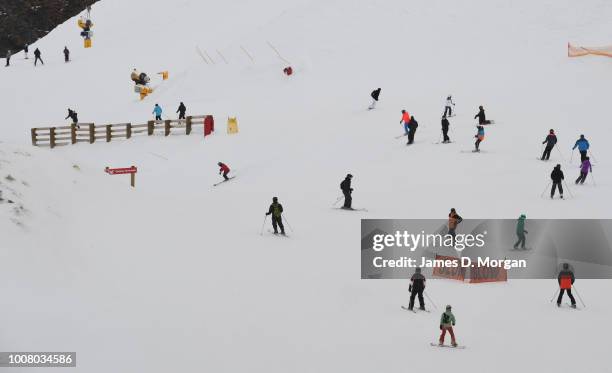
column 583, row 146
column 157, row 110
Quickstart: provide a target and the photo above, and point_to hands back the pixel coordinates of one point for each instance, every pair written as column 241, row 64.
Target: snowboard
column 223, row 181
column 447, row 346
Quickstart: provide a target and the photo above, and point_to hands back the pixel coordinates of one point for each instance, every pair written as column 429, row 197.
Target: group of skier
column 37, row 55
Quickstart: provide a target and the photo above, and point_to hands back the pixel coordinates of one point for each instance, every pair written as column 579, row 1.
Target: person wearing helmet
column 482, row 118
column 550, row 142
column 447, row 321
column 413, row 124
column 520, row 232
column 345, row 186
column 445, row 125
column 566, row 281
column 448, row 107
column 479, row 137
column 223, row 169
column 406, row 121
column 276, row 210
column 417, row 287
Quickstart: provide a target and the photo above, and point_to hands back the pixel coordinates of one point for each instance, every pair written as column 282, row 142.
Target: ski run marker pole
column 579, row 297
column 263, row 225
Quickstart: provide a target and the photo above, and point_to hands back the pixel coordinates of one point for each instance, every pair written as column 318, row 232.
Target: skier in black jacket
column 181, row 110
column 550, row 142
column 482, row 118
column 445, row 124
column 413, row 127
column 276, row 210
column 37, row 56
column 566, row 275
column 66, row 54
column 417, row 287
column 345, row 186
column 72, row 115
column 557, row 179
column 375, row 93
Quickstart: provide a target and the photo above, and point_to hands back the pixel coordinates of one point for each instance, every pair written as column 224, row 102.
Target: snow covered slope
column 174, row 274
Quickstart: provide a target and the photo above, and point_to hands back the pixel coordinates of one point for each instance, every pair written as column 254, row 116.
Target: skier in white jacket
column 448, row 108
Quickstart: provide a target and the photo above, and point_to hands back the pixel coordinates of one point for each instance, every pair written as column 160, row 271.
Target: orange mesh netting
column 575, row 51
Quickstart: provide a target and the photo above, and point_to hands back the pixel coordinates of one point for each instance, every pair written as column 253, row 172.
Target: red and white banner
column 121, row 171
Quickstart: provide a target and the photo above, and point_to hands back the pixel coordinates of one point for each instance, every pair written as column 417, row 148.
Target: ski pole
column 541, row 153
column 579, row 297
column 561, row 154
column 546, row 188
column 338, row 200
column 591, row 155
column 288, row 224
column 572, row 157
column 263, row 225
column 432, row 302
column 568, row 189
column 556, row 292
column 594, row 183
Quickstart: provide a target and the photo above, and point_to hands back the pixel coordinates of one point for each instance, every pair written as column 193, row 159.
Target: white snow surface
column 174, row 276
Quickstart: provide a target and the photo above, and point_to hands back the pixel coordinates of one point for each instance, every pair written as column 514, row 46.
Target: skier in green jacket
column 447, row 321
column 276, row 209
column 520, row 232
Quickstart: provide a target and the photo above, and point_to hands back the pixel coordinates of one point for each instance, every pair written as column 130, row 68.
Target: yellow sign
column 232, row 125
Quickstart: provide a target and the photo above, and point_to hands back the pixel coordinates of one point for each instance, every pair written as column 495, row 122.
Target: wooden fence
column 90, row 133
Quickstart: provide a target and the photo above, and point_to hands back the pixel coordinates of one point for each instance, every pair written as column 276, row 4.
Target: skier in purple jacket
column 585, row 168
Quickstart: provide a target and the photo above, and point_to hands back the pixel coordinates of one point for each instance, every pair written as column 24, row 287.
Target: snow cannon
column 85, row 24
column 288, row 70
column 164, row 74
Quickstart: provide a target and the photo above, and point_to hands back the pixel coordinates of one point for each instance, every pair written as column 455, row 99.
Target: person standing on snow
column 406, row 121
column 37, row 56
column 66, row 54
column 276, row 210
column 447, row 321
column 72, row 115
column 557, row 179
column 157, row 110
column 223, row 169
column 413, row 127
column 585, row 168
column 520, row 232
column 550, row 142
column 482, row 118
column 566, row 281
column 445, row 125
column 417, row 287
column 25, row 50
column 345, row 186
column 479, row 137
column 181, row 110
column 8, row 58
column 583, row 146
column 375, row 93
column 453, row 221
column 448, row 108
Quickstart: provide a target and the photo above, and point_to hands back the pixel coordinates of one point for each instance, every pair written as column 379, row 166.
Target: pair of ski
column 278, row 234
column 223, row 181
column 412, row 310
column 350, row 209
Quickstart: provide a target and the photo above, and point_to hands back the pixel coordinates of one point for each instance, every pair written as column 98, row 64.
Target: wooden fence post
column 166, row 127
column 33, row 133
column 150, row 127
column 128, row 130
column 188, row 125
column 52, row 137
column 92, row 133
column 108, row 132
column 73, row 133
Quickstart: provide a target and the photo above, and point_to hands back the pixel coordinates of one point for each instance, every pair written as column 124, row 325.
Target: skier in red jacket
column 223, row 169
